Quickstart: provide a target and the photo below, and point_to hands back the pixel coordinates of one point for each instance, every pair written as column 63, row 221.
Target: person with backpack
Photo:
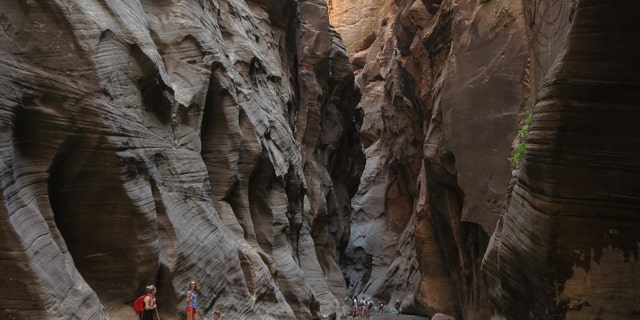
column 192, row 296
column 145, row 304
column 150, row 306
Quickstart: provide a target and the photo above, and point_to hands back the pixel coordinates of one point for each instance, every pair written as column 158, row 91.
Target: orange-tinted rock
column 437, row 138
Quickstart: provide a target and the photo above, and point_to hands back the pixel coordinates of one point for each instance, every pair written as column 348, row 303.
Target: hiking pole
column 157, row 314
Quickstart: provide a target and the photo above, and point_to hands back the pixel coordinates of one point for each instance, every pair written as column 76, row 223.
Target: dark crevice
column 95, row 218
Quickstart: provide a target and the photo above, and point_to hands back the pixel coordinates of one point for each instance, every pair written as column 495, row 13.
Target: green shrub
column 522, row 133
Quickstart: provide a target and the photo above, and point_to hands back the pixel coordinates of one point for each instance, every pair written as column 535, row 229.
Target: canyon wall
column 286, row 165
column 156, row 142
column 444, row 85
column 567, row 246
column 450, row 90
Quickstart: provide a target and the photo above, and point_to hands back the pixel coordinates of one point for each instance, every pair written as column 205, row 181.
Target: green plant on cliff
column 522, row 135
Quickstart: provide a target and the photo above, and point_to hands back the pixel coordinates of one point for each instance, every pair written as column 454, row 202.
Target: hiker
column 216, row 315
column 381, row 306
column 354, row 309
column 369, row 307
column 396, row 307
column 150, row 307
column 192, row 296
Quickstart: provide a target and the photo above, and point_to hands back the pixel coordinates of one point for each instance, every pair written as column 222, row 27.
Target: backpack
column 138, row 305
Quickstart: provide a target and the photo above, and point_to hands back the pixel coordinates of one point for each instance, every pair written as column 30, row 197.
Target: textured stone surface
column 445, row 87
column 568, row 245
column 162, row 141
column 442, row 88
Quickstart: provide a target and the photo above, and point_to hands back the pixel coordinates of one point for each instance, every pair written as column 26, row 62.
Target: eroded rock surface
column 443, row 84
column 568, row 245
column 446, row 86
column 162, row 141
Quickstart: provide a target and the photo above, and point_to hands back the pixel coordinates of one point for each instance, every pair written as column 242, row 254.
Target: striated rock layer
column 163, row 141
column 443, row 85
column 568, row 246
column 446, row 88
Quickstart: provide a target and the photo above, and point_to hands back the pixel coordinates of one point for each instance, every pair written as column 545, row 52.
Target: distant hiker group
column 362, row 307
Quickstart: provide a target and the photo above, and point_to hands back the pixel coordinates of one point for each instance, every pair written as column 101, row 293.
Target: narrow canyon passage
column 482, row 120
column 466, row 159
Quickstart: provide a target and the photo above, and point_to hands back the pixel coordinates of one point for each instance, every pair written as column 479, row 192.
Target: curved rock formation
column 446, row 86
column 159, row 141
column 163, row 141
column 568, row 245
column 443, row 85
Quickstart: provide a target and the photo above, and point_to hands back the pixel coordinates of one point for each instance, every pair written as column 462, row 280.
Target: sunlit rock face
column 446, row 86
column 163, row 141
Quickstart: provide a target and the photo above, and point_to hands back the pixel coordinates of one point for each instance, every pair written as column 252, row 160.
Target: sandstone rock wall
column 163, row 141
column 446, row 86
column 568, row 245
column 443, row 84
